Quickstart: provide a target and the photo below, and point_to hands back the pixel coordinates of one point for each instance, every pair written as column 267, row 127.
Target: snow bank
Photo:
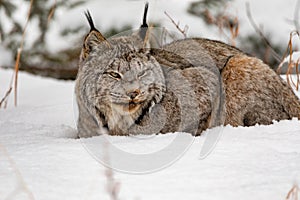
column 40, row 159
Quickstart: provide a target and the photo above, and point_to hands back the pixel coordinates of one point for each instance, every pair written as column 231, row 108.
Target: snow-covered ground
column 40, row 159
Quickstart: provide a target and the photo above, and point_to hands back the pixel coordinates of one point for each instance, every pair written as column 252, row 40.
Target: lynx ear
column 92, row 39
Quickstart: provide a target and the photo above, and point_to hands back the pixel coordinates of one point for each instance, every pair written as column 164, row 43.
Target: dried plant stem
column 293, row 193
column 234, row 30
column 51, row 12
column 112, row 186
column 257, row 29
column 291, row 63
column 16, row 75
column 183, row 31
column 5, row 98
column 17, row 64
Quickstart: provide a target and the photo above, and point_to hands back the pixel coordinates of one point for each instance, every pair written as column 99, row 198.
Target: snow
column 41, row 159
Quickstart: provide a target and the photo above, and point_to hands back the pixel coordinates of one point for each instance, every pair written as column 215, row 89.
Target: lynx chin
column 124, row 86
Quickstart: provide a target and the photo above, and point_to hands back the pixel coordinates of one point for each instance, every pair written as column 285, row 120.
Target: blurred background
column 57, row 27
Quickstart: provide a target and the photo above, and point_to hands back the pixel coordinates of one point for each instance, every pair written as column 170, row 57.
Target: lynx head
column 118, row 78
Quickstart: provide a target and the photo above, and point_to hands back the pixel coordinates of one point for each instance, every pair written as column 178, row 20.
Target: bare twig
column 51, row 12
column 21, row 183
column 234, row 30
column 14, row 79
column 223, row 21
column 20, row 52
column 293, row 193
column 183, row 31
column 291, row 62
column 112, row 186
column 16, row 75
column 5, row 98
column 257, row 29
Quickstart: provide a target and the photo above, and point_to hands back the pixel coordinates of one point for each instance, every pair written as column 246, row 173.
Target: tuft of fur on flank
column 256, row 94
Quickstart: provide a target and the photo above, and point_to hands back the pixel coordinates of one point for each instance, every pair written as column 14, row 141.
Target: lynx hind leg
column 256, row 94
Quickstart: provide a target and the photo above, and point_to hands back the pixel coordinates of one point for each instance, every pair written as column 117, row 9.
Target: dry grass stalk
column 293, row 193
column 232, row 24
column 258, row 31
column 51, row 12
column 14, row 79
column 177, row 25
column 224, row 21
column 5, row 98
column 234, row 29
column 17, row 64
column 21, row 186
column 291, row 63
column 112, row 186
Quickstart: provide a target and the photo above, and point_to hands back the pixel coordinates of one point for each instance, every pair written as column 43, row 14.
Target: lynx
column 189, row 85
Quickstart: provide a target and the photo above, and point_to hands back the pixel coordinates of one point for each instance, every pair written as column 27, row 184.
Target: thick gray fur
column 188, row 85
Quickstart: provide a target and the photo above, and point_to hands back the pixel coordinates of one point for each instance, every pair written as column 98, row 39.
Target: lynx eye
column 141, row 74
column 115, row 75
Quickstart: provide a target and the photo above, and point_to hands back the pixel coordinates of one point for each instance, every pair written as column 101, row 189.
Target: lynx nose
column 133, row 94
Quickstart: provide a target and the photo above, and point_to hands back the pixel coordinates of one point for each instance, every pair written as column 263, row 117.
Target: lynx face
column 124, row 82
column 134, row 80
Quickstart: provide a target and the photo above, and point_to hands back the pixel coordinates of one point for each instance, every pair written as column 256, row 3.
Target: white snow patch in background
column 108, row 14
column 39, row 155
column 6, row 57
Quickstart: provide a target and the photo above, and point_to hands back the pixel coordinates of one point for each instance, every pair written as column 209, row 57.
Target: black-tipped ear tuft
column 90, row 20
column 144, row 26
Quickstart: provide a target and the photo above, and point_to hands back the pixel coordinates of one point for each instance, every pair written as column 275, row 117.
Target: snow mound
column 41, row 159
